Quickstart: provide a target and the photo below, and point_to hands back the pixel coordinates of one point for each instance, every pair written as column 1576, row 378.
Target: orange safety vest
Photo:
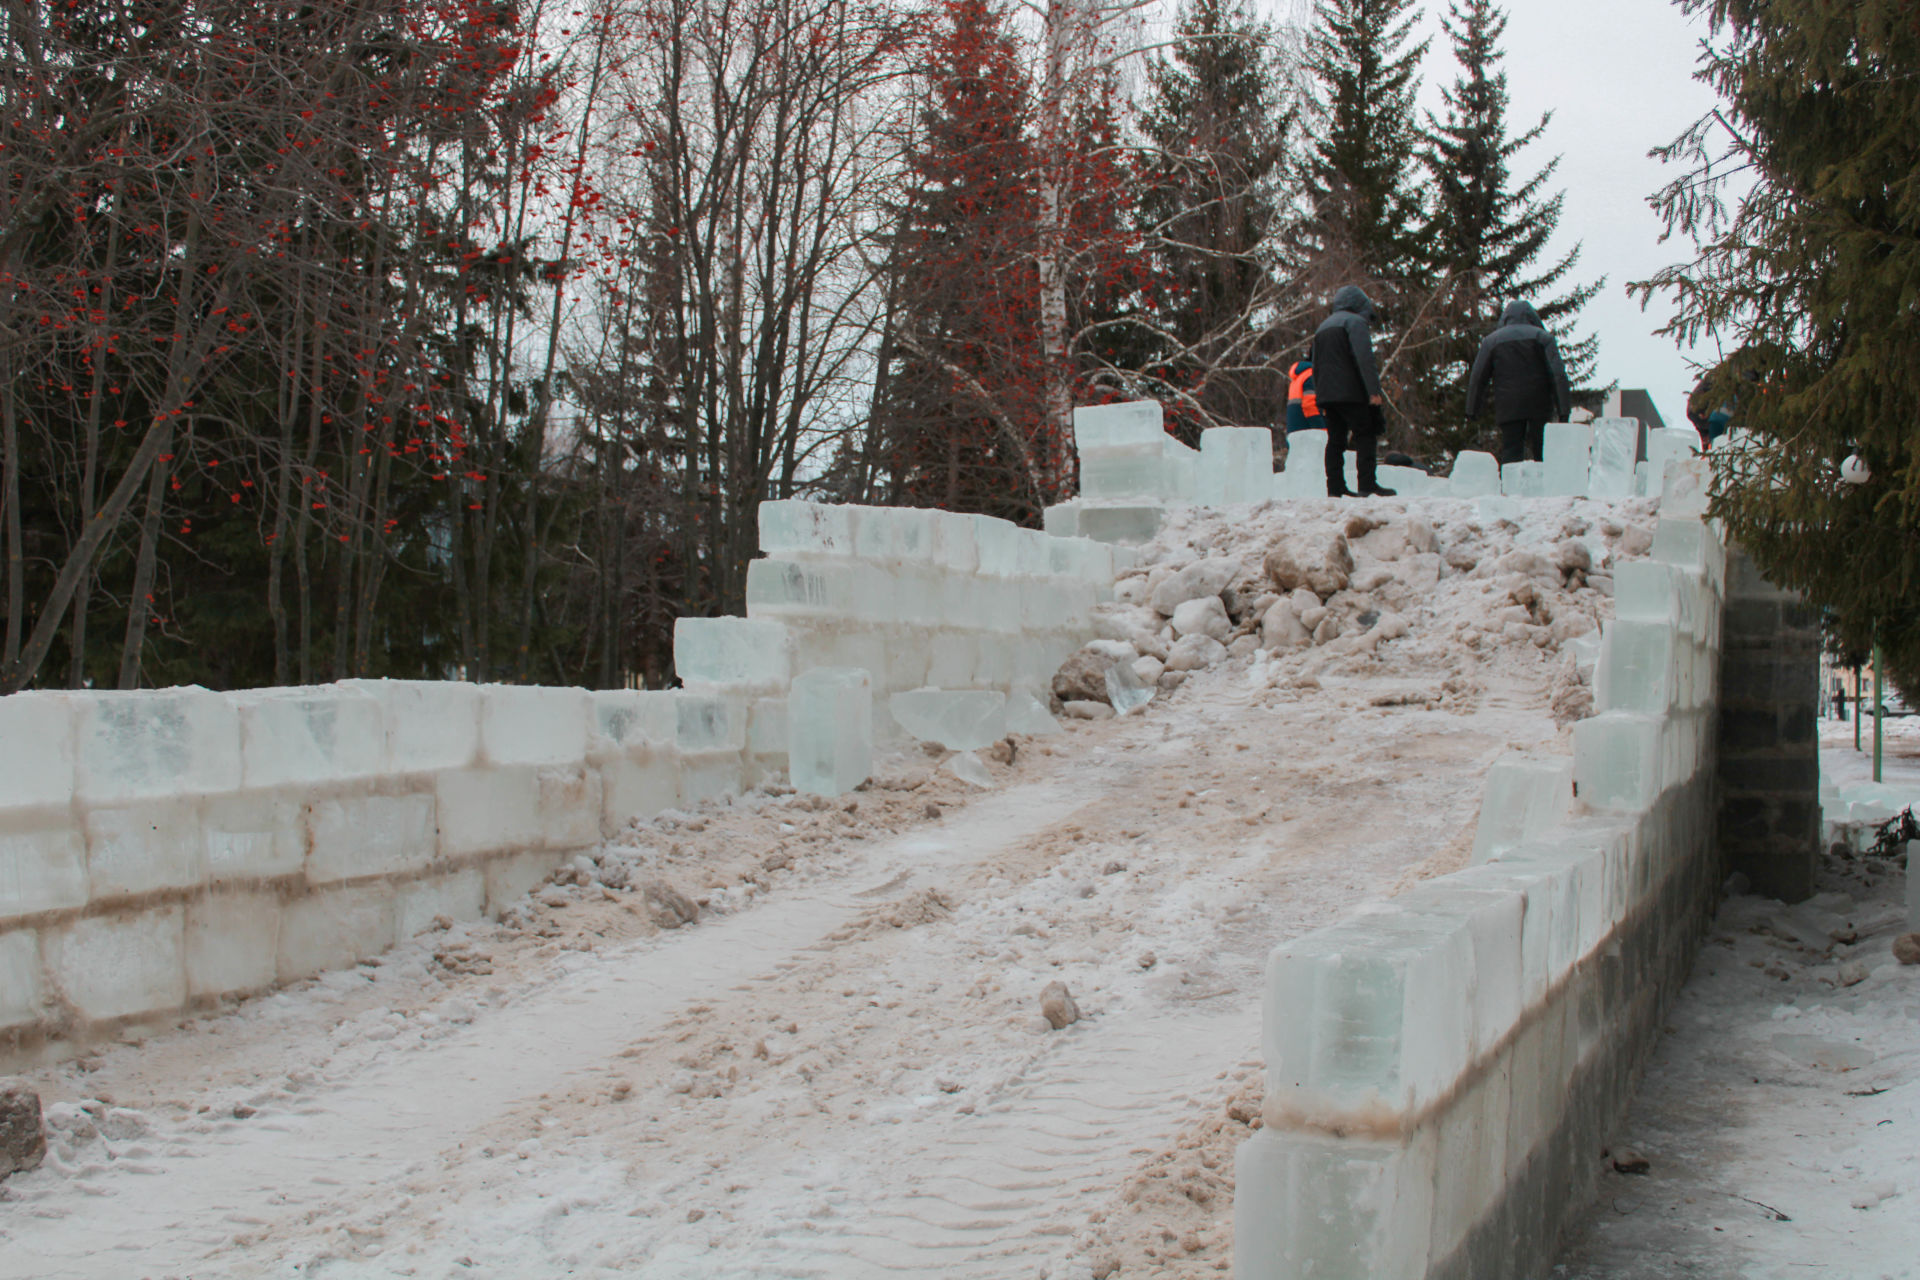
column 1297, row 391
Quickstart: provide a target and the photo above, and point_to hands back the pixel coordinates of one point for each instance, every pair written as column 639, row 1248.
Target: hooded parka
column 1343, row 367
column 1522, row 361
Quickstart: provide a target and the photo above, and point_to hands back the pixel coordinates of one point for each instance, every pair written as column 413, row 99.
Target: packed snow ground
column 841, row 1069
column 1780, row 1117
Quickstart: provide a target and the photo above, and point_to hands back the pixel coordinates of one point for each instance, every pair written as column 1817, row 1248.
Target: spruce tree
column 1808, row 276
column 1363, row 171
column 1486, row 232
column 1209, row 206
column 958, row 418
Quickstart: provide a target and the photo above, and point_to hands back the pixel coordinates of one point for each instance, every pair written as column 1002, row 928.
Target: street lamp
column 1855, row 471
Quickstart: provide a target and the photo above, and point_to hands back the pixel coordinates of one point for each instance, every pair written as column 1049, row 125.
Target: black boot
column 1364, row 449
column 1337, row 476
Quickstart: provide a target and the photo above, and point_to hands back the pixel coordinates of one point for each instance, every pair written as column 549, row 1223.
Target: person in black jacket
column 1347, row 385
column 1522, row 361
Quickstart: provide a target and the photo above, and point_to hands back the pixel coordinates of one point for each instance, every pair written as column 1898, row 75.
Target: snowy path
column 1781, row 1115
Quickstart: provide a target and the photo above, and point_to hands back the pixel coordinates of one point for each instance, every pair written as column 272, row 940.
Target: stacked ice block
column 1442, row 1069
column 1131, row 470
column 928, row 600
column 162, row 847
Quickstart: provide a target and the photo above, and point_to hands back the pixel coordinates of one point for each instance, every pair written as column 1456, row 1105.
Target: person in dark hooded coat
column 1522, row 361
column 1347, row 386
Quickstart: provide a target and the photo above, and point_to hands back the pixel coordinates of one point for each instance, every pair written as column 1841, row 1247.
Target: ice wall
column 1443, row 1071
column 1131, row 470
column 169, row 848
column 920, row 600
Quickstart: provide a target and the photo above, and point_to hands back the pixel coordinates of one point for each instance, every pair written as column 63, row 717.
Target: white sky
column 1618, row 77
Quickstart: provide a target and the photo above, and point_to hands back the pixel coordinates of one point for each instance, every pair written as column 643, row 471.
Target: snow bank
column 1442, row 1068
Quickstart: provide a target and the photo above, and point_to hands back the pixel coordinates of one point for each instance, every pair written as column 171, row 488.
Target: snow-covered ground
column 841, row 1068
column 1780, row 1117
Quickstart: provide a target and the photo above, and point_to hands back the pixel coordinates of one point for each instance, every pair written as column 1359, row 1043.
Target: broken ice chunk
column 1027, row 714
column 1125, row 690
column 968, row 768
column 957, row 719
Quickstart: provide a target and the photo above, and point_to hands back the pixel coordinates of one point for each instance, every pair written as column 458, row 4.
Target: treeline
column 456, row 338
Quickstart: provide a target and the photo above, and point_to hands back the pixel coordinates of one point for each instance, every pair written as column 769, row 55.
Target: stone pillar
column 1769, row 740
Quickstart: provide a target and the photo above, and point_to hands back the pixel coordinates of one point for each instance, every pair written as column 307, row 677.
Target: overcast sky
column 1618, row 77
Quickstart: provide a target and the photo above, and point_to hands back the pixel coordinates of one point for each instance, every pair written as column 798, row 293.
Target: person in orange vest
column 1303, row 407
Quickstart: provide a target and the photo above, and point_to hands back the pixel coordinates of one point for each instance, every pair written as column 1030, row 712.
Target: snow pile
column 1375, row 587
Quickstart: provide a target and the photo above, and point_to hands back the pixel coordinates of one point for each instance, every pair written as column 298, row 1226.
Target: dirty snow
column 1780, row 1117
column 840, row 1067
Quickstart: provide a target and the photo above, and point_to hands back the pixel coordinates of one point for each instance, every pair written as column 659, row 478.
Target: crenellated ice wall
column 1131, row 470
column 159, row 850
column 1444, row 1070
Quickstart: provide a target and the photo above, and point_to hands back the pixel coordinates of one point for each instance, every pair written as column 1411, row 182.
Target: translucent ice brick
column 779, row 588
column 36, row 749
column 309, row 735
column 1136, row 471
column 629, row 719
column 534, row 724
column 157, row 743
column 749, row 652
column 1109, row 425
column 1523, row 480
column 116, row 966
column 431, row 724
column 1408, row 482
column 1367, row 1014
column 709, row 722
column 806, row 528
column 1063, row 519
column 1475, row 475
column 1669, row 444
column 830, row 730
column 1569, row 455
column 1494, row 917
column 1310, row 1204
column 1524, row 796
column 1639, row 667
column 1236, row 465
column 1616, row 445
column 1617, row 761
column 1127, row 524
column 1305, row 473
column 999, row 546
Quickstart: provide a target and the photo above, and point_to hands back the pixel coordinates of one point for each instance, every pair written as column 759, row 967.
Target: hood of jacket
column 1353, row 298
column 1521, row 313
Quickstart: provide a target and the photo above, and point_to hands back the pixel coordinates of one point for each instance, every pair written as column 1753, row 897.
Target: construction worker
column 1522, row 363
column 1303, row 406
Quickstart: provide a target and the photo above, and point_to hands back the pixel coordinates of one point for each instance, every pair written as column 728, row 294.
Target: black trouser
column 1358, row 425
column 1523, row 440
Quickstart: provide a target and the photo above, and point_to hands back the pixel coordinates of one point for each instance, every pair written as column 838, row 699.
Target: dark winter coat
column 1522, row 361
column 1343, row 368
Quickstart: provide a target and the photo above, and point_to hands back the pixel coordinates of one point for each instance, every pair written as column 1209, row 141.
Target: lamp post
column 1855, row 471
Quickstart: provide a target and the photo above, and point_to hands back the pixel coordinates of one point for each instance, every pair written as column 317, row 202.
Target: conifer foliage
column 1487, row 230
column 1363, row 172
column 1807, row 275
column 1216, row 127
column 957, row 420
